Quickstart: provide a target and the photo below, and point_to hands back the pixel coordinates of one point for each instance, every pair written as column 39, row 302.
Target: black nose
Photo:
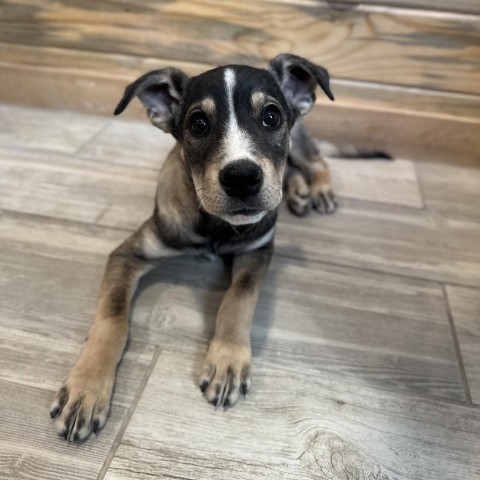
column 241, row 179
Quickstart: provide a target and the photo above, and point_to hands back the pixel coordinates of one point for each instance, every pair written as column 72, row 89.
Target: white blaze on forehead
column 236, row 144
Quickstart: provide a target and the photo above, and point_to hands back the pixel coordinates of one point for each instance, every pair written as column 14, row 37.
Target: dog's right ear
column 298, row 79
column 160, row 92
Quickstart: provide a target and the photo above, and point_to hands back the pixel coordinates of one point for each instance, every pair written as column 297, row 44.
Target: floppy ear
column 298, row 79
column 160, row 92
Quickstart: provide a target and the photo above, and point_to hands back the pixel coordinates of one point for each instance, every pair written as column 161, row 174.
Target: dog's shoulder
column 176, row 213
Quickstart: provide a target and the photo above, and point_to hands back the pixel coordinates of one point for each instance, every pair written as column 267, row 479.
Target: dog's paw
column 226, row 373
column 324, row 201
column 299, row 204
column 298, row 196
column 81, row 407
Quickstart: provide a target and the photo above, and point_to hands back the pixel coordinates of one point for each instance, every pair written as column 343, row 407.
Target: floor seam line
column 128, row 416
column 458, row 350
column 91, row 139
column 420, row 186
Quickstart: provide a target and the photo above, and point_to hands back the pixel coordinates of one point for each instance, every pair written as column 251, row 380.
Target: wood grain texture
column 451, row 190
column 412, row 101
column 401, row 77
column 421, row 137
column 414, row 243
column 50, row 274
column 46, row 130
column 50, row 357
column 79, row 242
column 465, row 305
column 355, row 375
column 409, row 124
column 294, row 424
column 386, row 331
column 76, row 188
column 378, row 181
column 93, row 82
column 29, row 446
column 356, row 44
column 418, row 138
column 61, row 267
column 389, row 331
column 464, row 6
column 108, row 189
column 130, row 143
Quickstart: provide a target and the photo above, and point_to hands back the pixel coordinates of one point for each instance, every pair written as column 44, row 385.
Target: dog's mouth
column 244, row 216
column 248, row 212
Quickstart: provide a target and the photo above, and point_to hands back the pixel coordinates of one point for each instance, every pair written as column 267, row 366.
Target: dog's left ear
column 298, row 79
column 160, row 92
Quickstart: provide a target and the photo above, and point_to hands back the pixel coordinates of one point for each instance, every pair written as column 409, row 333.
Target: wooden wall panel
column 419, row 137
column 434, row 52
column 403, row 136
column 405, row 80
column 93, row 82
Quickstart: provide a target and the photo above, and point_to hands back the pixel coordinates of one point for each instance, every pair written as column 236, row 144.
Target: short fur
column 218, row 193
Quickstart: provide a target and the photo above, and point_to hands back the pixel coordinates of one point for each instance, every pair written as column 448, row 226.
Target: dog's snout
column 241, row 179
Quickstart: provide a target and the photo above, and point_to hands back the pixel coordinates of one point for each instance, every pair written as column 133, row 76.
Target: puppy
column 238, row 133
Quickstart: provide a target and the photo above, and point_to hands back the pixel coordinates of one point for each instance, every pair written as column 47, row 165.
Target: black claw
column 226, row 403
column 214, row 401
column 243, row 388
column 54, row 412
column 64, row 434
column 76, row 437
column 326, row 204
column 203, row 386
column 95, row 426
column 62, row 397
column 70, row 420
column 81, row 419
column 300, row 212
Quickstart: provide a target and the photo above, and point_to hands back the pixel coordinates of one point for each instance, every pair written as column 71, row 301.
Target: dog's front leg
column 82, row 403
column 226, row 370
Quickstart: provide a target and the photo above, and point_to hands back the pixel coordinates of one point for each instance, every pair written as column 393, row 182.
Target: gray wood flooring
column 366, row 340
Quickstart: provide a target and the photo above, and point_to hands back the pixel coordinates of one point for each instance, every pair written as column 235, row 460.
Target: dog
column 240, row 143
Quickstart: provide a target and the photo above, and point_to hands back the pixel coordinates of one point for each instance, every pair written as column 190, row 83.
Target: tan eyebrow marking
column 207, row 105
column 257, row 99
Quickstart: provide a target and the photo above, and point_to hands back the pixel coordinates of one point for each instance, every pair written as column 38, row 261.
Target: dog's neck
column 224, row 238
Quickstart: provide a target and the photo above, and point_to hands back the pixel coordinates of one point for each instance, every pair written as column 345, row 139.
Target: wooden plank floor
column 366, row 340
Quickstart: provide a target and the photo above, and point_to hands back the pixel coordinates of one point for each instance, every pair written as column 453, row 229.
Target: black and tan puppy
column 236, row 128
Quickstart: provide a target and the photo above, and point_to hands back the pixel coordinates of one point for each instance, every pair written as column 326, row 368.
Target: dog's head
column 233, row 124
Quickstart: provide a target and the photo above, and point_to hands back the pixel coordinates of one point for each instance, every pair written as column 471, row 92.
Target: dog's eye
column 198, row 124
column 271, row 116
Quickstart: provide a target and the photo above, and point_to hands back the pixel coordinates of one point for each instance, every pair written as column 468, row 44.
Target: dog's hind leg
column 305, row 155
column 226, row 373
column 83, row 402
